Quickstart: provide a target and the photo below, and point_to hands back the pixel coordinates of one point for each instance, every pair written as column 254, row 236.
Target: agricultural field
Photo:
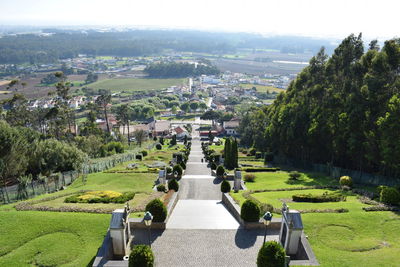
column 351, row 238
column 134, row 84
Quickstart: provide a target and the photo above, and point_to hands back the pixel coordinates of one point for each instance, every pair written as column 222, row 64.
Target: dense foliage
column 343, row 110
column 271, row 254
column 346, row 181
column 326, row 197
column 390, row 195
column 157, row 208
column 231, row 153
column 100, row 197
column 141, row 256
column 173, row 185
column 225, row 186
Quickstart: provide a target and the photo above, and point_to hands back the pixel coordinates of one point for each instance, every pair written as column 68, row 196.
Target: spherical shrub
column 346, row 181
column 390, row 195
column 250, row 178
column 144, row 153
column 157, row 208
column 271, row 254
column 225, row 186
column 158, row 146
column 173, row 185
column 294, row 175
column 220, row 171
column 183, row 165
column 141, row 256
column 161, row 188
column 213, row 166
column 169, row 170
column 177, row 169
column 250, row 212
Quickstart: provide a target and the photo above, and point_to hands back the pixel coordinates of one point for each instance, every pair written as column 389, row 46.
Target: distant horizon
column 309, row 18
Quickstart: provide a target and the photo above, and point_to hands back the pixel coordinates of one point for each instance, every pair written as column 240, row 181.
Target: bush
column 225, row 186
column 220, row 171
column 161, row 140
column 252, row 151
column 250, row 212
column 250, row 178
column 177, row 169
column 144, row 153
column 294, row 175
column 157, row 208
column 346, row 181
column 271, row 254
column 183, row 165
column 141, row 256
column 161, row 188
column 100, row 197
column 325, row 197
column 139, row 156
column 169, row 170
column 258, row 155
column 173, row 185
column 390, row 195
column 158, row 146
column 213, row 166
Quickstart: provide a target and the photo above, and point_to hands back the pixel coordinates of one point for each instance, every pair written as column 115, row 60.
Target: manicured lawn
column 50, row 238
column 135, row 84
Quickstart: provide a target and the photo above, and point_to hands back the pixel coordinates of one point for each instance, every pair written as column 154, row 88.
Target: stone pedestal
column 120, row 232
column 291, row 230
column 237, row 181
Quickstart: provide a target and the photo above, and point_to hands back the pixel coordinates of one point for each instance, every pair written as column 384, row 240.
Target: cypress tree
column 227, row 152
column 234, row 152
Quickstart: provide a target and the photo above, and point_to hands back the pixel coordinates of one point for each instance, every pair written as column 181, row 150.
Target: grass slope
column 132, row 84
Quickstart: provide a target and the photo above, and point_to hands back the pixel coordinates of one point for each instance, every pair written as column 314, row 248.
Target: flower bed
column 100, row 197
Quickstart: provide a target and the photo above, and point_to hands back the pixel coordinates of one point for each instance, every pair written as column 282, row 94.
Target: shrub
column 144, row 153
column 250, row 212
column 161, row 140
column 250, row 178
column 258, row 155
column 264, row 207
column 220, row 171
column 252, row 151
column 183, row 165
column 157, row 208
column 225, row 186
column 141, row 256
column 158, row 146
column 346, row 181
column 139, row 156
column 258, row 169
column 213, row 166
column 173, row 185
column 271, row 254
column 390, row 195
column 177, row 169
column 161, row 188
column 325, row 197
column 169, row 170
column 294, row 175
column 100, row 197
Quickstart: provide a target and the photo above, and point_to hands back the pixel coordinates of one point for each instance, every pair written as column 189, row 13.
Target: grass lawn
column 347, row 239
column 32, row 238
column 132, row 84
column 262, row 88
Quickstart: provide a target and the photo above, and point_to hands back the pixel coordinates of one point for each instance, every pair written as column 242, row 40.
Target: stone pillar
column 237, row 181
column 291, row 230
column 120, row 232
column 162, row 176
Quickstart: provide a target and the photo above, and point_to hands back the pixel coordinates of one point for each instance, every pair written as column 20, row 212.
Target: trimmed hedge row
column 120, row 199
column 258, row 169
column 326, row 197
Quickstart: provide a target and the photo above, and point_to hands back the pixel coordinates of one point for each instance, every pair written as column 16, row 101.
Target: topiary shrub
column 144, row 153
column 173, row 185
column 161, row 188
column 325, row 197
column 294, row 175
column 158, row 146
column 183, row 165
column 225, row 186
column 213, row 166
column 346, row 181
column 271, row 254
column 157, row 208
column 250, row 178
column 139, row 156
column 250, row 212
column 390, row 195
column 220, row 171
column 178, row 170
column 169, row 170
column 141, row 256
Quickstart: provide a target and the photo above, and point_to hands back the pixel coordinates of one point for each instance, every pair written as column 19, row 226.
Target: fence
column 336, row 172
column 55, row 182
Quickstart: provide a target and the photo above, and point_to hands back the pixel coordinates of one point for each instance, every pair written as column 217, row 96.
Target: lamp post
column 267, row 220
column 148, row 219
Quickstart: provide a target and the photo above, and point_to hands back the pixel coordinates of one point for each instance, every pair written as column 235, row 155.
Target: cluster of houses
column 75, row 102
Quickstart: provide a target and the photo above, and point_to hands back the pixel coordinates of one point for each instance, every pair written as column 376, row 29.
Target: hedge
column 141, row 256
column 250, row 212
column 271, row 254
column 326, row 197
column 258, row 169
column 157, row 208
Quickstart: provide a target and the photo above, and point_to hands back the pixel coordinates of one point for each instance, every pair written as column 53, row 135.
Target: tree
column 140, row 136
column 124, row 112
column 185, row 107
column 91, row 78
column 194, row 106
column 203, row 106
column 210, row 136
column 103, row 101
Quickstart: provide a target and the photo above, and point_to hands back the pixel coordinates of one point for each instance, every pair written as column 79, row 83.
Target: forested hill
column 343, row 109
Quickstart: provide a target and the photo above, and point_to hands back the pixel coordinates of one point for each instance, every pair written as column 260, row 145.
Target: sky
column 319, row 18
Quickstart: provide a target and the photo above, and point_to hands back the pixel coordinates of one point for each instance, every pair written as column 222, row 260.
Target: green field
column 262, row 88
column 346, row 239
column 133, row 84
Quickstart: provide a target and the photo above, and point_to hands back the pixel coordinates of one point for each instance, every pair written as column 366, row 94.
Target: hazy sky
column 336, row 18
